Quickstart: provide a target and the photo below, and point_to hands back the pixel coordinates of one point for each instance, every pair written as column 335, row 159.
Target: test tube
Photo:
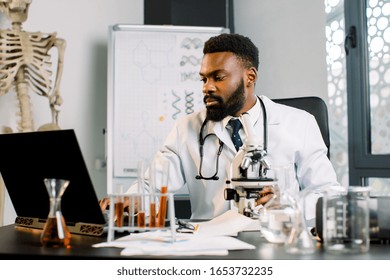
column 119, row 206
column 163, row 198
column 152, row 208
column 132, row 210
column 141, row 191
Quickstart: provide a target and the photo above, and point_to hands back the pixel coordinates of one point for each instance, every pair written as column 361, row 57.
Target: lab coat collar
column 271, row 107
column 255, row 113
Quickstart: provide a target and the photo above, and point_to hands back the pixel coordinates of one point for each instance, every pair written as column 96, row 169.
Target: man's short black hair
column 240, row 45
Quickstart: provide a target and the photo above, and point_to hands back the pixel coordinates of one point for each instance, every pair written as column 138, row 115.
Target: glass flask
column 276, row 216
column 276, row 222
column 55, row 233
column 282, row 219
column 299, row 241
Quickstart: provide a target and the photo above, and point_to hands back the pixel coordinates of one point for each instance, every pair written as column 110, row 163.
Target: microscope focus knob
column 231, row 194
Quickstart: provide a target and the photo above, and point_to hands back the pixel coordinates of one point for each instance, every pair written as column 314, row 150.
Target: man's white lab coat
column 294, row 139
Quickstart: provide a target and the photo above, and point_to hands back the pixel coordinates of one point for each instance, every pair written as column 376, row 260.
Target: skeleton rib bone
column 25, row 63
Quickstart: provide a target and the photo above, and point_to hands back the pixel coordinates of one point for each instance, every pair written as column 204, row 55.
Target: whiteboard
column 153, row 80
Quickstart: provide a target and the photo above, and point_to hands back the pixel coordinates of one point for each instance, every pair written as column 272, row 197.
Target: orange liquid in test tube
column 119, row 207
column 141, row 219
column 163, row 207
column 152, row 217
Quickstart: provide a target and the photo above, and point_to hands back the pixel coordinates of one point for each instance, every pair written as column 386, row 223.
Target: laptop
column 27, row 158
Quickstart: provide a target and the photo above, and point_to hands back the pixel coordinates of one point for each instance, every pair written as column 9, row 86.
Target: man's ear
column 251, row 76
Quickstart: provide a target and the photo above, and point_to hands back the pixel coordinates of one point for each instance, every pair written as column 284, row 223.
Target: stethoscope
column 221, row 144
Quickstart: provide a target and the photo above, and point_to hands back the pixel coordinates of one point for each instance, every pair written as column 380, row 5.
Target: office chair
column 315, row 106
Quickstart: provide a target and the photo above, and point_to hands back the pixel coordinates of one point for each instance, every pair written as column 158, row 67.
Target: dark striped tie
column 236, row 125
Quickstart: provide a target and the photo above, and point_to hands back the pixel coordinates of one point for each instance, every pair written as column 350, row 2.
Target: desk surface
column 24, row 243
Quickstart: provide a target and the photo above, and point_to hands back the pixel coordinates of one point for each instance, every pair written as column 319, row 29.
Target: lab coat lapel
column 222, row 133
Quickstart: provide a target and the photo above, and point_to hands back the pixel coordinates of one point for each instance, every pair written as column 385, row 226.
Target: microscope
column 248, row 170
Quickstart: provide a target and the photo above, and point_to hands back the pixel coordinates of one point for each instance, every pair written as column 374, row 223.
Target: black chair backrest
column 315, row 106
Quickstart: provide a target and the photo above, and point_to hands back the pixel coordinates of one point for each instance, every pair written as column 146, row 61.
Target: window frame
column 362, row 163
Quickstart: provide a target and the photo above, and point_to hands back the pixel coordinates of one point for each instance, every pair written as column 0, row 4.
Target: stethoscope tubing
column 203, row 139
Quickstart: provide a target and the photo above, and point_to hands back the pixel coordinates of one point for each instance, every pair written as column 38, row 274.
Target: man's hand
column 104, row 204
column 267, row 194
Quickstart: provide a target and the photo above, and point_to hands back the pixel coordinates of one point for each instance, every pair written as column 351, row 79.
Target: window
column 359, row 90
column 367, row 66
column 337, row 88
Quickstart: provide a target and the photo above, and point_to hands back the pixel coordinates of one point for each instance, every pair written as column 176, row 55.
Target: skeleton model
column 25, row 64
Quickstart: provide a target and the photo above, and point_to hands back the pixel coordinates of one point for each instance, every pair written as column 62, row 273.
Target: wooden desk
column 23, row 243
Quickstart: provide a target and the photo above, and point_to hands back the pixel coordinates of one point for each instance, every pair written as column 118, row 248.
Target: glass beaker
column 346, row 221
column 55, row 233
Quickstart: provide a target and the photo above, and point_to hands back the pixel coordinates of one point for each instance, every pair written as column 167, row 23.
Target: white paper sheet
column 159, row 243
column 216, row 245
column 229, row 223
column 212, row 238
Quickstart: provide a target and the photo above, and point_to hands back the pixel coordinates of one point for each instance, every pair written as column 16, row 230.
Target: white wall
column 290, row 36
column 84, row 26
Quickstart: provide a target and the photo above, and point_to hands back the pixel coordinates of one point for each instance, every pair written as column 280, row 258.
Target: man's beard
column 229, row 107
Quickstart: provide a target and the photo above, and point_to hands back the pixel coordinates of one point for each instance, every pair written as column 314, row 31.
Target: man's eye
column 219, row 78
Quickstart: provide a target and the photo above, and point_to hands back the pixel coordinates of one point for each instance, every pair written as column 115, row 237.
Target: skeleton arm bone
column 55, row 98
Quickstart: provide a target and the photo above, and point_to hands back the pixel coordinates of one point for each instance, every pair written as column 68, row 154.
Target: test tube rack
column 130, row 224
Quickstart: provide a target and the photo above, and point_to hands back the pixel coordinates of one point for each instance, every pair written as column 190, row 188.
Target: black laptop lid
column 27, row 158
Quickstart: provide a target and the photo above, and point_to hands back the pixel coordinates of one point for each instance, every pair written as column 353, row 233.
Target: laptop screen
column 27, row 158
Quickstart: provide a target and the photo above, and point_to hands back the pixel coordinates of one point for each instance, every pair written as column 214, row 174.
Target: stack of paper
column 213, row 237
